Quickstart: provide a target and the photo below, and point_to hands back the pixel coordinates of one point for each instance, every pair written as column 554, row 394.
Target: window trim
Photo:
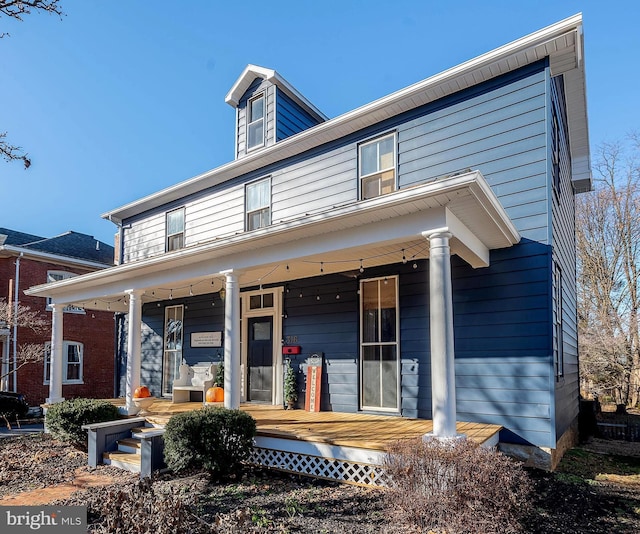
column 65, row 363
column 558, row 322
column 251, row 122
column 246, row 204
column 394, row 167
column 169, row 236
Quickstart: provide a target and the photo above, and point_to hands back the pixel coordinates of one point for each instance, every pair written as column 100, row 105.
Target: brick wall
column 94, row 329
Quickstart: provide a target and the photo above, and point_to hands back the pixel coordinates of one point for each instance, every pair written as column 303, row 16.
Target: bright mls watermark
column 46, row 519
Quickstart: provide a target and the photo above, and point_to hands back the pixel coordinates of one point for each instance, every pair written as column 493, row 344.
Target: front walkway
column 349, row 447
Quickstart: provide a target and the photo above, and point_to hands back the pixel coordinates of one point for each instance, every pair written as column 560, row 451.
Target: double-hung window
column 72, row 356
column 175, row 230
column 258, row 204
column 56, row 276
column 255, row 122
column 377, row 166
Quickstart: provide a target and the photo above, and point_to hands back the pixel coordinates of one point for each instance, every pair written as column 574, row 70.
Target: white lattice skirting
column 319, row 467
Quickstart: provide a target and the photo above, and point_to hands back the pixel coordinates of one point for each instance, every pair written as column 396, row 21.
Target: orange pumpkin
column 215, row 394
column 141, row 392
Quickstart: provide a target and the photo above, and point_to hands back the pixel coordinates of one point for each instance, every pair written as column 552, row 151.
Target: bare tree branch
column 11, row 152
column 23, row 317
column 608, row 244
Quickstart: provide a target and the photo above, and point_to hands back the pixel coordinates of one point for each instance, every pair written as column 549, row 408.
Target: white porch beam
column 134, row 348
column 467, row 244
column 443, row 380
column 232, row 378
column 55, row 365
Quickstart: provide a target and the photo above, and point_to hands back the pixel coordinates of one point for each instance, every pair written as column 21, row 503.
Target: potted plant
column 290, row 386
column 219, row 380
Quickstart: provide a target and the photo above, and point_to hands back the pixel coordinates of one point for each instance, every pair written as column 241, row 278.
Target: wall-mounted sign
column 206, row 339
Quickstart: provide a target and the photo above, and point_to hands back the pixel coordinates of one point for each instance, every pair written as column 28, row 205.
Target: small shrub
column 455, row 486
column 213, row 438
column 64, row 419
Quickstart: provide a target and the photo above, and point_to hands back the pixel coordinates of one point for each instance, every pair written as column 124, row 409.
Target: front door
column 260, row 359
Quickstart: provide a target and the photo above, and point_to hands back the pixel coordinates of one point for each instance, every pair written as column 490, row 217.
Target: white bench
column 199, row 377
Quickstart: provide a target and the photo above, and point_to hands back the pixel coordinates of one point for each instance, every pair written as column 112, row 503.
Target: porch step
column 139, row 432
column 130, row 445
column 124, row 460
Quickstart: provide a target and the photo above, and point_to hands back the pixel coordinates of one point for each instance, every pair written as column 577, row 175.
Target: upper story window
column 175, row 230
column 258, row 200
column 377, row 167
column 255, row 122
column 72, row 356
column 56, row 276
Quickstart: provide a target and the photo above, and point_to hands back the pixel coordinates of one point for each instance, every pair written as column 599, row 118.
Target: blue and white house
column 422, row 245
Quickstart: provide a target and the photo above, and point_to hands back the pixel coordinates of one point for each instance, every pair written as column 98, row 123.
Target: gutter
column 48, row 256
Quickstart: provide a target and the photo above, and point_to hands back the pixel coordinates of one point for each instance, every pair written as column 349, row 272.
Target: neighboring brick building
column 28, row 260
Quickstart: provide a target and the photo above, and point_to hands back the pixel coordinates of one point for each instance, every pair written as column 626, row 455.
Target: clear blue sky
column 120, row 99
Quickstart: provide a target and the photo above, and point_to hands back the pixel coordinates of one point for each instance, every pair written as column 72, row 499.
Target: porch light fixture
column 222, row 293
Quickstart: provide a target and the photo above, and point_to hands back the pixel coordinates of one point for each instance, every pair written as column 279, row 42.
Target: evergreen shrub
column 215, row 439
column 64, row 419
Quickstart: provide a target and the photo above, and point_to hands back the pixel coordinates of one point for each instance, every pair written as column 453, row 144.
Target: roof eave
column 528, row 49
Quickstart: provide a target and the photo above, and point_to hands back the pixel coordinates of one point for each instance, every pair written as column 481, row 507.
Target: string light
column 404, row 258
column 321, row 266
column 361, row 267
column 191, row 291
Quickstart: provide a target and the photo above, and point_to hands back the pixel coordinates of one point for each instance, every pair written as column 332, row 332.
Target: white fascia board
column 251, row 72
column 52, row 258
column 516, row 54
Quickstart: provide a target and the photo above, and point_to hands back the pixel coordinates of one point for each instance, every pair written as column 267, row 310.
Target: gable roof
column 562, row 43
column 71, row 245
column 251, row 72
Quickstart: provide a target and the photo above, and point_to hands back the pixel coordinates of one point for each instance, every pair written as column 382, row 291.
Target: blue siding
column 564, row 253
column 290, row 117
column 502, row 320
column 328, row 325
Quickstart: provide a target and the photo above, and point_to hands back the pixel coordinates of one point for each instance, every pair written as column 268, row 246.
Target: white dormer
column 268, row 109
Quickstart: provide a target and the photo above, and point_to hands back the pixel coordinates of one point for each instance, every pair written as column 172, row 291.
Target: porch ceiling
column 374, row 232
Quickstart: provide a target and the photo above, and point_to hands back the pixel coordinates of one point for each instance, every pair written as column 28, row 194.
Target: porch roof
column 377, row 231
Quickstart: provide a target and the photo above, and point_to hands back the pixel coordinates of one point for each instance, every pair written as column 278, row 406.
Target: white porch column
column 134, row 349
column 443, row 379
column 232, row 342
column 55, row 365
column 4, row 382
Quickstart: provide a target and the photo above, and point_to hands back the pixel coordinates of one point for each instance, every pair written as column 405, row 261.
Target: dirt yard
column 593, row 491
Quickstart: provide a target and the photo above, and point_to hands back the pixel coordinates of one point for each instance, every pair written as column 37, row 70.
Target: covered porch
column 348, row 447
column 457, row 214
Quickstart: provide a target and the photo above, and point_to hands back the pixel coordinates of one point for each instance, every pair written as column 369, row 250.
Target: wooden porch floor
column 363, row 431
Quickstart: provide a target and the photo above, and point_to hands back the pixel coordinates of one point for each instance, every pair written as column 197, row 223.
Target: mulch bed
column 592, row 492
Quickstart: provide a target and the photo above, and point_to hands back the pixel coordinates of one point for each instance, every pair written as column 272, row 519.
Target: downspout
column 15, row 324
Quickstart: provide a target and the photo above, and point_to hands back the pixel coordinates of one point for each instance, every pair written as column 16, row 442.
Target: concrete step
column 124, row 460
column 131, row 445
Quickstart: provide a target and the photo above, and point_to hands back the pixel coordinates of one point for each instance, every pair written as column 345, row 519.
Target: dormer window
column 377, row 167
column 255, row 122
